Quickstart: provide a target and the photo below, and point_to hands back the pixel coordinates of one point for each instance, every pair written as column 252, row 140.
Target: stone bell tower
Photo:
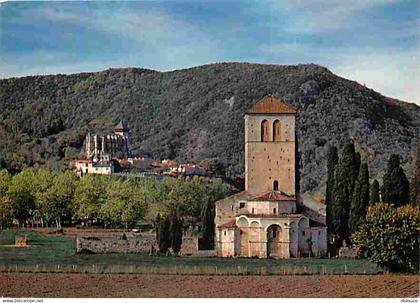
column 270, row 147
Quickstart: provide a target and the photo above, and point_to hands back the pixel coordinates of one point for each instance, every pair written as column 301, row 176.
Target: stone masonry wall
column 266, row 162
column 189, row 246
column 115, row 244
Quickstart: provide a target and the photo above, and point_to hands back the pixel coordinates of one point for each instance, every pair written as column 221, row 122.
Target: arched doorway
column 273, row 240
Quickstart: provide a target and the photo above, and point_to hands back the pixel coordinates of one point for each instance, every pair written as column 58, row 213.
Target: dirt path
column 87, row 285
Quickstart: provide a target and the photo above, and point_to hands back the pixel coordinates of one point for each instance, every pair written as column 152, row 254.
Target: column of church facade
column 88, row 143
column 95, row 149
column 103, row 153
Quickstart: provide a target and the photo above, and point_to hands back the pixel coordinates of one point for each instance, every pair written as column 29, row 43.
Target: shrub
column 388, row 236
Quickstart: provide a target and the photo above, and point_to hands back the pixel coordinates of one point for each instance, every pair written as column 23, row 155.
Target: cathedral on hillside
column 263, row 221
column 102, row 148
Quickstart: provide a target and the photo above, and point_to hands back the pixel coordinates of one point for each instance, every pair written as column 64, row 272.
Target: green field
column 57, row 254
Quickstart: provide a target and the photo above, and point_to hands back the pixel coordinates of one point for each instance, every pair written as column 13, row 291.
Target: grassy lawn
column 46, row 252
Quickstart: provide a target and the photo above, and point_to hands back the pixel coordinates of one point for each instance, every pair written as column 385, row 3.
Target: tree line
column 39, row 196
column 366, row 214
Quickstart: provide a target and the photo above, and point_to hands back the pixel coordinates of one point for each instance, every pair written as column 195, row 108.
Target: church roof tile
column 271, row 105
column 229, row 224
column 273, row 196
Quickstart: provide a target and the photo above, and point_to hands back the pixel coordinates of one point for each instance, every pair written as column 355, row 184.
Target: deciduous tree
column 388, row 236
column 21, row 195
column 5, row 205
column 89, row 196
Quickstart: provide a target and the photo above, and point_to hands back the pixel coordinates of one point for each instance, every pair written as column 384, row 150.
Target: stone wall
column 228, row 208
column 115, row 244
column 189, row 246
column 266, row 162
column 207, row 253
column 347, row 252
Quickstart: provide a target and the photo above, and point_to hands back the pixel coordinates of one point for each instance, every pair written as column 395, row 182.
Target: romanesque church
column 263, row 221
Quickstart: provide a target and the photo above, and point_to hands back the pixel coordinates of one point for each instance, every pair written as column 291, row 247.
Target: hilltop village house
column 263, row 221
column 107, row 154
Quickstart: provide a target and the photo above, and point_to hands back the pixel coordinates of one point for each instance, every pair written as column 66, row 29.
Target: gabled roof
column 271, row 105
column 121, row 126
column 273, row 196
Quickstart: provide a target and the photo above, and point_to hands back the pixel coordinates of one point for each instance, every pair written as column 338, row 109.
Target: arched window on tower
column 264, row 131
column 276, row 185
column 277, row 131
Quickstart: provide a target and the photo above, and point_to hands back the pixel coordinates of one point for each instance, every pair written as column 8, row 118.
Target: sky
column 374, row 42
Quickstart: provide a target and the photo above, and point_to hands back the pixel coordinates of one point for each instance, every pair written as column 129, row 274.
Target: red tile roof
column 82, row 161
column 228, row 224
column 273, row 196
column 270, row 105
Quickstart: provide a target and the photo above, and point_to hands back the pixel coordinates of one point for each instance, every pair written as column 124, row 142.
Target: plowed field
column 103, row 285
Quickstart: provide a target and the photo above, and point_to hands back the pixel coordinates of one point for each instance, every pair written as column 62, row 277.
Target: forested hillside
column 197, row 114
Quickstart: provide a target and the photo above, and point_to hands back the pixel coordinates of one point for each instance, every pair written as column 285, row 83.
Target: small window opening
column 276, row 185
column 224, row 232
column 303, row 233
column 253, row 210
column 242, row 205
column 264, row 131
column 241, row 232
column 274, row 210
column 277, row 131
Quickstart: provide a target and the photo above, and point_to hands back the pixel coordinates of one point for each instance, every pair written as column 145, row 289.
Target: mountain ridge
column 196, row 114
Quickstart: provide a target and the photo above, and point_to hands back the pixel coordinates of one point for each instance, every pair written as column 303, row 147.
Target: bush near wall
column 389, row 236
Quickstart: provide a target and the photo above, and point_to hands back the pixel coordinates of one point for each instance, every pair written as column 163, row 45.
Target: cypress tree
column 415, row 180
column 344, row 178
column 208, row 213
column 360, row 199
column 332, row 160
column 164, row 236
column 395, row 187
column 374, row 192
column 175, row 234
column 157, row 225
column 357, row 162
